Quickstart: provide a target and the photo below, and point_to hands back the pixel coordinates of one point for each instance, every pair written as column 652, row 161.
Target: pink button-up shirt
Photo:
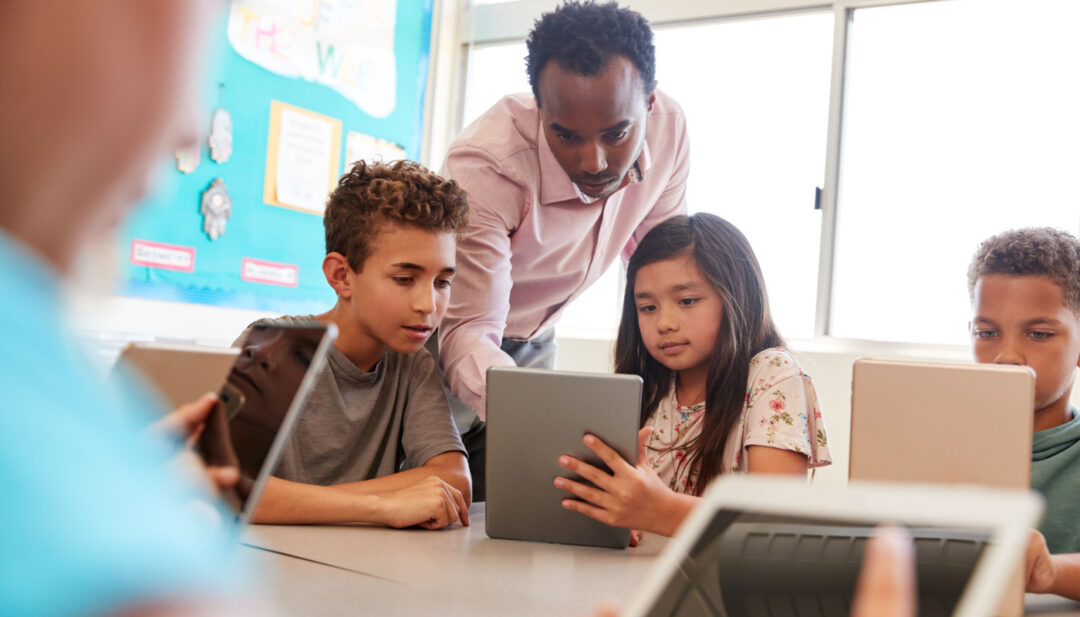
column 533, row 244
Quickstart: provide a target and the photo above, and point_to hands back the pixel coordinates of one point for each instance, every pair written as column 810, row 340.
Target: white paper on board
column 361, row 147
column 305, row 148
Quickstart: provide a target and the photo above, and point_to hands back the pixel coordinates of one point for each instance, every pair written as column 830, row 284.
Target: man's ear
column 336, row 269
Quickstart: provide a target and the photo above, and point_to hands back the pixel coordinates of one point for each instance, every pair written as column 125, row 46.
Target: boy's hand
column 1040, row 570
column 431, row 503
column 632, row 496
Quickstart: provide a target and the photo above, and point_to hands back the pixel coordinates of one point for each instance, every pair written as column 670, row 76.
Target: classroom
column 281, row 276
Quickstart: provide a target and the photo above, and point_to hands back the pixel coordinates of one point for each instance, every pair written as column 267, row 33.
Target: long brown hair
column 724, row 257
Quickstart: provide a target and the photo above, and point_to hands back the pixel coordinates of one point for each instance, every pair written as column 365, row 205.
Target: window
column 961, row 121
column 756, row 97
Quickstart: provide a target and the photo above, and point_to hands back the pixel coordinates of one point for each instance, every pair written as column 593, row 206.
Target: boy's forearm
column 1067, row 575
column 451, row 467
column 288, row 503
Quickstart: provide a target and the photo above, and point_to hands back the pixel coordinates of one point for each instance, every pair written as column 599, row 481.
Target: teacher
column 559, row 183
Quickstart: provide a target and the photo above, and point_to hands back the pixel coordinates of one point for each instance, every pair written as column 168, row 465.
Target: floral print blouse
column 780, row 411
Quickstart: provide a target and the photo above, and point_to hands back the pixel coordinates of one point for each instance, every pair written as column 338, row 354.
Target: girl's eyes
column 646, row 308
column 688, row 301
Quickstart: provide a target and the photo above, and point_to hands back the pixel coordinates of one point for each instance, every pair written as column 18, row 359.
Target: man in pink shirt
column 559, row 184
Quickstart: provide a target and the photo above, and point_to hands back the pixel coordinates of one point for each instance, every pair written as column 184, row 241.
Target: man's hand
column 430, row 503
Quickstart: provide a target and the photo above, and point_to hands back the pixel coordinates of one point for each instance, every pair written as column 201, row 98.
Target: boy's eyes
column 403, row 280
column 442, row 283
column 615, row 136
column 565, row 137
column 984, row 334
column 1040, row 335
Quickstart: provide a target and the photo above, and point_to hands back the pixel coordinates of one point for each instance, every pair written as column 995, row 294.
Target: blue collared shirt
column 94, row 515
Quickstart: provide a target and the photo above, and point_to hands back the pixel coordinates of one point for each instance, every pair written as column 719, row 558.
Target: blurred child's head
column 1025, row 297
column 391, row 233
column 695, row 301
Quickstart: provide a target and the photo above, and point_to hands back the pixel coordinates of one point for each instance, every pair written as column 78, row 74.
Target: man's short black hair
column 583, row 36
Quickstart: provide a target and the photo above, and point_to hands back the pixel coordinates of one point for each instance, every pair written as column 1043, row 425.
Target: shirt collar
column 556, row 186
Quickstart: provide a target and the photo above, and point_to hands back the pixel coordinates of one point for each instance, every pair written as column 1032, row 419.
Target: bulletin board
column 356, row 67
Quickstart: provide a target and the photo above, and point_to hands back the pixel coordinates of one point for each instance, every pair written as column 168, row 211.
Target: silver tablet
column 180, row 373
column 533, row 417
column 264, row 394
column 769, row 546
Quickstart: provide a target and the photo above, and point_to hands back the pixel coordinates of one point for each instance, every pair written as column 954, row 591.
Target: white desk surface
column 458, row 571
column 366, row 570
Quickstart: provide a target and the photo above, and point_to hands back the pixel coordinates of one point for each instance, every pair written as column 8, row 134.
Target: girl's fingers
column 588, row 510
column 642, row 439
column 614, row 462
column 585, row 470
column 587, row 493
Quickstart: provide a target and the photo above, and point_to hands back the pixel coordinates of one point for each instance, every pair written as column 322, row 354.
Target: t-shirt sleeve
column 428, row 427
column 783, row 410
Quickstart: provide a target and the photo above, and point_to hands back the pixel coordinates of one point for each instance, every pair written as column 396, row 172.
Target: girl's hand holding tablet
column 631, row 496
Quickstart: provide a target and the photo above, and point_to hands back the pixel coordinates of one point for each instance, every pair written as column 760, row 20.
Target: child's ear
column 336, row 269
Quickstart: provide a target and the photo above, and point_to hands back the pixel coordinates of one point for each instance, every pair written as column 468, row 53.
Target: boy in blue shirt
column 1025, row 292
column 95, row 517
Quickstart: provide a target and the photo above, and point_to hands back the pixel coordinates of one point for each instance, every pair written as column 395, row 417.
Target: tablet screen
column 255, row 401
column 754, row 564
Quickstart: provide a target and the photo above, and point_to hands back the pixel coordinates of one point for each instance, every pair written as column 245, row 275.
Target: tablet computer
column 180, row 373
column 533, row 417
column 773, row 546
column 266, row 389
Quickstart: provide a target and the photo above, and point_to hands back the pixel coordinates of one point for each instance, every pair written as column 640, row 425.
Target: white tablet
column 774, row 546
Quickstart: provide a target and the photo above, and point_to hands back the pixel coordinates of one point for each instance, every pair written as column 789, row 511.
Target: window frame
column 503, row 22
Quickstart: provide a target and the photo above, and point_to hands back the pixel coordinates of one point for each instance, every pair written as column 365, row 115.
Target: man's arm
column 471, row 334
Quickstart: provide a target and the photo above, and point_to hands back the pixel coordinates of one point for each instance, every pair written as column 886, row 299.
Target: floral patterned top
column 780, row 410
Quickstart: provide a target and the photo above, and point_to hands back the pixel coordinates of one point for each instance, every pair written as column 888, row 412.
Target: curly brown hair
column 1032, row 251
column 404, row 192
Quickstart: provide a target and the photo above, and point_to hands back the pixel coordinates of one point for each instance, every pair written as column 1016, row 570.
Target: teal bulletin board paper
column 171, row 214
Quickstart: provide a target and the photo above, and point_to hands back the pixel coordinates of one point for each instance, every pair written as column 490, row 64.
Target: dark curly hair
column 1032, row 251
column 371, row 194
column 583, row 36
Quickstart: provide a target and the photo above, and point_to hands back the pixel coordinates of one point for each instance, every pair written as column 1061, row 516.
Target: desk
column 366, row 570
column 457, row 571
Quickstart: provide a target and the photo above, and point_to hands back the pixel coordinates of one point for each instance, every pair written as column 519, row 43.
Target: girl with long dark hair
column 721, row 393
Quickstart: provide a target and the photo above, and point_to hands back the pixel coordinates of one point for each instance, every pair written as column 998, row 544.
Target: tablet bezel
column 1007, row 515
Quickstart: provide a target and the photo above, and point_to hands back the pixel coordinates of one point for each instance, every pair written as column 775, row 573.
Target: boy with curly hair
column 376, row 442
column 1025, row 293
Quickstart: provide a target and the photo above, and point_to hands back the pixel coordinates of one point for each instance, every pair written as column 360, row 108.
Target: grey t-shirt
column 359, row 425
